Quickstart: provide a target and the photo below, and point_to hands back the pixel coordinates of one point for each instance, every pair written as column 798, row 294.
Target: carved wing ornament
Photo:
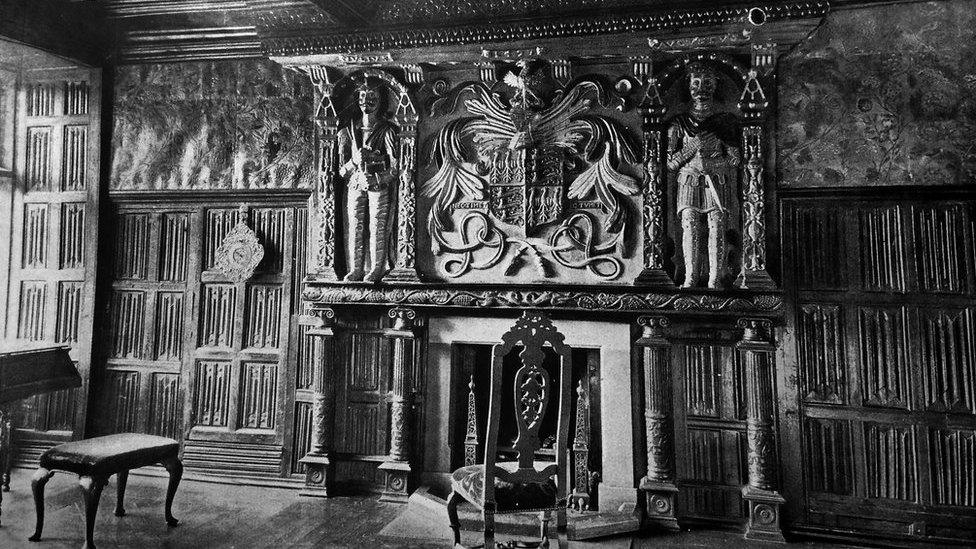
column 538, row 182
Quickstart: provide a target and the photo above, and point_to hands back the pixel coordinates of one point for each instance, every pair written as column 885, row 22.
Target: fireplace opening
column 470, row 388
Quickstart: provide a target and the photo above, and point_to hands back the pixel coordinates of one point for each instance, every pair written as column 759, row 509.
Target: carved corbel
column 653, row 111
column 322, row 202
column 753, row 104
column 319, row 466
column 658, row 484
column 757, row 353
column 397, row 467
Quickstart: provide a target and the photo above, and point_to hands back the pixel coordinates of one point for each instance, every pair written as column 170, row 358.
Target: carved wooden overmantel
column 535, row 169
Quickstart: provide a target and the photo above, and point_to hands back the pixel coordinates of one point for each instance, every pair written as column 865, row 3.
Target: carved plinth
column 659, row 500
column 319, row 475
column 764, row 509
column 756, row 350
column 658, row 484
column 397, row 483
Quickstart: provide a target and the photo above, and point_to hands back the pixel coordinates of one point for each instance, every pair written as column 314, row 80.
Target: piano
column 26, row 373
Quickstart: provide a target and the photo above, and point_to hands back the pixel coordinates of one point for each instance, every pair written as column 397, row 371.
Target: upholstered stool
column 96, row 459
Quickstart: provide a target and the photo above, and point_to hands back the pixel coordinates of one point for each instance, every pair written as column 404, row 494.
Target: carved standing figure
column 368, row 161
column 702, row 148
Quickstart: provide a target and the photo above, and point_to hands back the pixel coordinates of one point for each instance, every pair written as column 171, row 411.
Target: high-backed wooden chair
column 524, row 485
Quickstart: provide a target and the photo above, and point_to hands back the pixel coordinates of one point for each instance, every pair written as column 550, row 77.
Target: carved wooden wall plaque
column 239, row 253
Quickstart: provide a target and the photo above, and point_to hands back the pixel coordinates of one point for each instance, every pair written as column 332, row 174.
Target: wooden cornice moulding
column 142, row 8
column 784, row 23
column 562, row 297
column 190, row 44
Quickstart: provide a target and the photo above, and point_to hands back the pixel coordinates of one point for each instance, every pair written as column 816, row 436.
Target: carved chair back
column 534, row 390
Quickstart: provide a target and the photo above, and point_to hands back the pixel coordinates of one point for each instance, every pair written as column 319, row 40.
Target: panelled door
column 885, row 348
column 54, row 224
column 195, row 355
column 710, row 427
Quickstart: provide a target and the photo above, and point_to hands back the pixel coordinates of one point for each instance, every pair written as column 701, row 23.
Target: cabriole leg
column 40, row 478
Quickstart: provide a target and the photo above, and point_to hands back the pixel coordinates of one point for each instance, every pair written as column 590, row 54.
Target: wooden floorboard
column 222, row 516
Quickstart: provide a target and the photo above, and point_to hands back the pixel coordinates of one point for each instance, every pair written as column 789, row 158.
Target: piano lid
column 34, row 371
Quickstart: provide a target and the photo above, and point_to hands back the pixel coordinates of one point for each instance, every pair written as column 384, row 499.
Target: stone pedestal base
column 764, row 509
column 660, row 504
column 319, row 475
column 401, row 275
column 756, row 280
column 396, row 486
column 654, row 277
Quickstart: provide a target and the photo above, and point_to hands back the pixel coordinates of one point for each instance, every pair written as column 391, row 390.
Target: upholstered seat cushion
column 109, row 454
column 470, row 481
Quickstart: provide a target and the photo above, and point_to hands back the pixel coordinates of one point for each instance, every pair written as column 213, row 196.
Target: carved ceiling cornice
column 791, row 20
column 603, row 299
column 156, row 30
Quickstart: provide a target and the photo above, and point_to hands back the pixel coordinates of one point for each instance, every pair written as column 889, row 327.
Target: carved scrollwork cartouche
column 239, row 253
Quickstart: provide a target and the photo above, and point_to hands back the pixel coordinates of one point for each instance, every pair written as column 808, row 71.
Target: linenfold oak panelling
column 212, row 355
column 52, row 252
column 886, row 363
column 710, row 430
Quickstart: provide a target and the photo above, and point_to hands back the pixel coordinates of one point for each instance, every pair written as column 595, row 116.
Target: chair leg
column 40, row 478
column 544, row 517
column 561, row 530
column 452, row 515
column 121, row 478
column 175, row 468
column 489, row 517
column 91, row 490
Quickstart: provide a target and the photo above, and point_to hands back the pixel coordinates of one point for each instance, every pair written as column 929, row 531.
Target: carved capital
column 319, row 317
column 755, row 330
column 404, row 318
column 653, row 327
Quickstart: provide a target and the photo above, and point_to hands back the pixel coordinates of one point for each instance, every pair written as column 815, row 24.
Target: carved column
column 397, row 466
column 319, row 467
column 322, row 233
column 753, row 105
column 658, row 484
column 756, row 353
column 652, row 110
column 405, row 268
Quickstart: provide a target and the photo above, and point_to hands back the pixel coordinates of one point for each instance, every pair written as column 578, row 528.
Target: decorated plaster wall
column 211, row 125
column 882, row 95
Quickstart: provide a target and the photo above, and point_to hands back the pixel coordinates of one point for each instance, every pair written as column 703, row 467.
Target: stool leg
column 121, row 478
column 175, row 468
column 40, row 478
column 91, row 489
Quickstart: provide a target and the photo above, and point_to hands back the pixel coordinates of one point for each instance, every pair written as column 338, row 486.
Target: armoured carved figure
column 368, row 154
column 701, row 147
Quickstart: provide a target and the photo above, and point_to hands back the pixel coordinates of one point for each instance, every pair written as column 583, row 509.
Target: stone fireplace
column 608, row 360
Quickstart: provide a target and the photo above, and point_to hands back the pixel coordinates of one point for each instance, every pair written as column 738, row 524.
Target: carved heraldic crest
column 239, row 253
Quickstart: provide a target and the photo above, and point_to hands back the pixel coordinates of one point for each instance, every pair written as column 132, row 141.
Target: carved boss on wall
column 530, row 175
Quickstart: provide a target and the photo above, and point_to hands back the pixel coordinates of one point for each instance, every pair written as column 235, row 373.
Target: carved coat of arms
column 541, row 163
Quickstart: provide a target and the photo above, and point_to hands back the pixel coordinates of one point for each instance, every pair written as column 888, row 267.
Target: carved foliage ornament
column 514, row 165
column 239, row 253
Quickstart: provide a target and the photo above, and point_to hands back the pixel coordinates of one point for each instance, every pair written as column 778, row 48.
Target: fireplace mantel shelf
column 556, row 297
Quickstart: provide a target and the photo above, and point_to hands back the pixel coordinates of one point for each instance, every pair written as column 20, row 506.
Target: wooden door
column 194, row 355
column 885, row 351
column 54, row 222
